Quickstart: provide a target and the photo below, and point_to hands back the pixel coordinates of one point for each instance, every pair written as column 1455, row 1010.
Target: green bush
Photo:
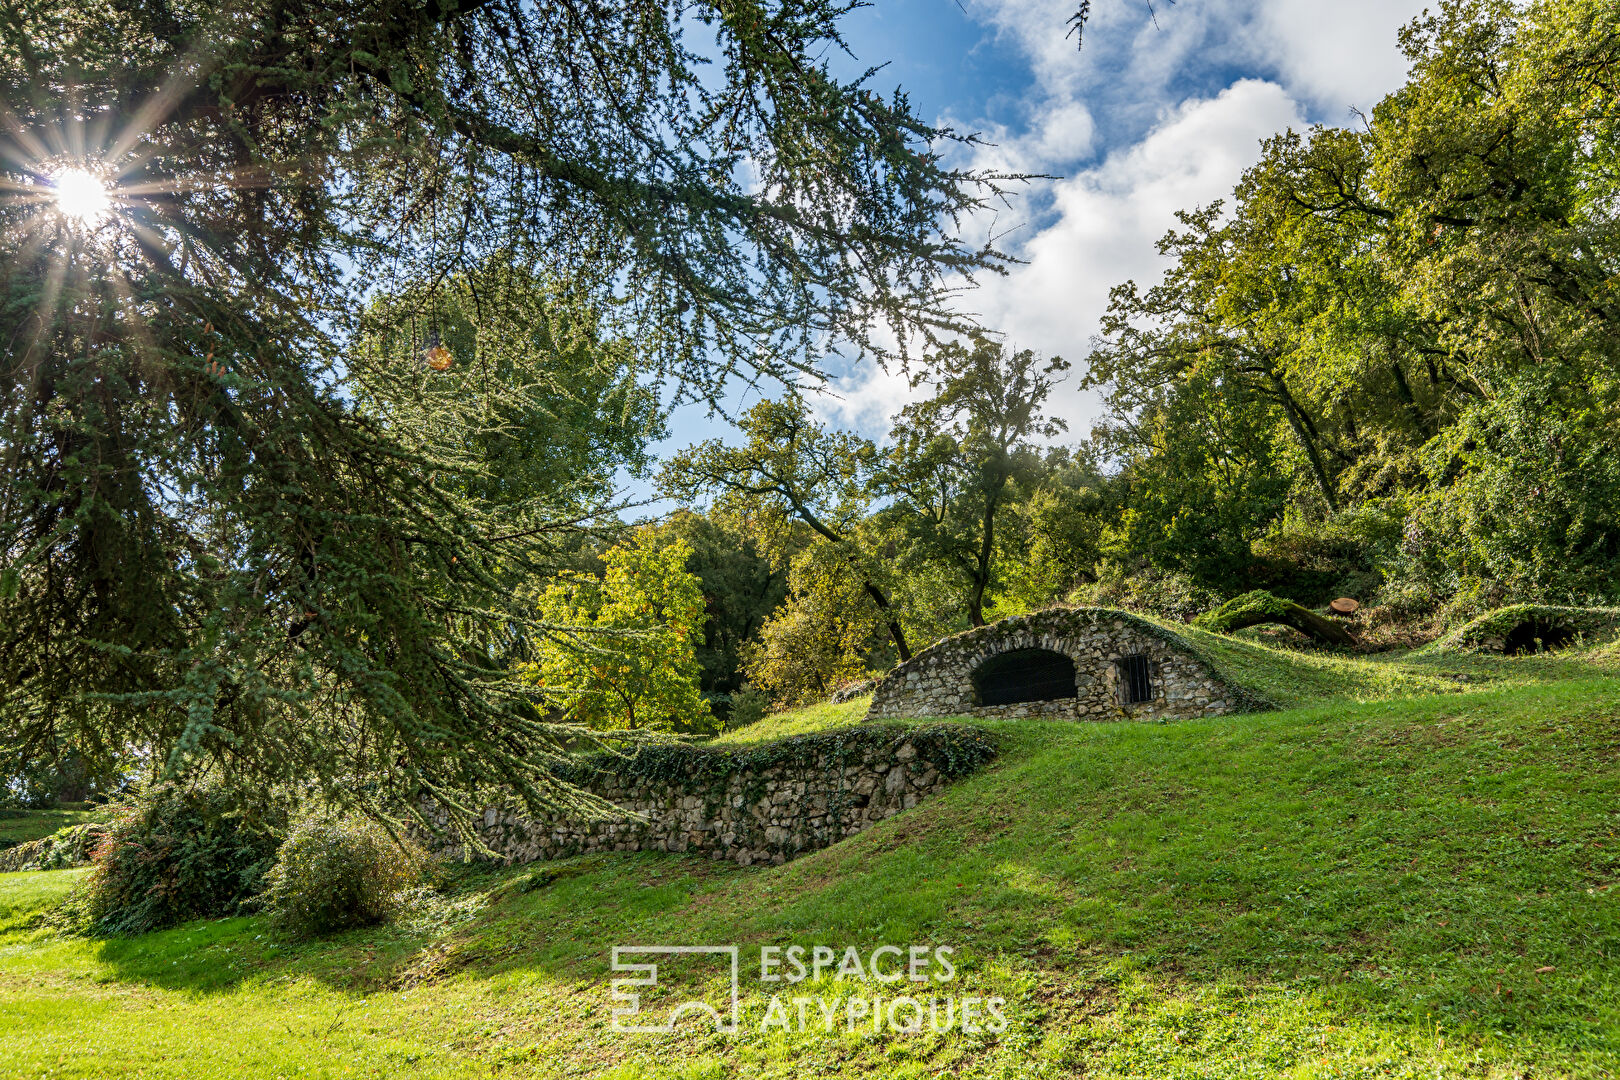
column 747, row 706
column 64, row 848
column 1148, row 590
column 1311, row 561
column 334, row 874
column 179, row 853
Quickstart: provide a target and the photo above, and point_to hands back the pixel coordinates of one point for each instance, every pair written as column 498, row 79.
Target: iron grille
column 1135, row 679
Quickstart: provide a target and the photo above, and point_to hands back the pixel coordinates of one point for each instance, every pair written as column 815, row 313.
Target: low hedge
column 67, row 847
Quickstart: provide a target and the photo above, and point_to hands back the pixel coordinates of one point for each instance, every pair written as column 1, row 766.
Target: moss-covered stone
column 766, row 802
column 1259, row 606
column 1182, row 682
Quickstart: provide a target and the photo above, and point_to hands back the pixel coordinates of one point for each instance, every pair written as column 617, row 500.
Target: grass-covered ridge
column 21, row 826
column 953, row 749
column 1531, row 628
column 1399, row 886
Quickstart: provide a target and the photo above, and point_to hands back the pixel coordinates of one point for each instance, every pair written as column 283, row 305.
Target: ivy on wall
column 954, row 750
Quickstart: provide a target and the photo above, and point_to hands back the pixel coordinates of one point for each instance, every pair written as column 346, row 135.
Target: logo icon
column 646, row 975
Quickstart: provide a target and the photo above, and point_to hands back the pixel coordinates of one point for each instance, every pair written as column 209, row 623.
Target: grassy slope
column 21, row 826
column 1352, row 888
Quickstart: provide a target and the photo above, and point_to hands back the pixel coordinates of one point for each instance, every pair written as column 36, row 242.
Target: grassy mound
column 1397, row 887
column 22, row 826
column 1522, row 629
column 65, row 847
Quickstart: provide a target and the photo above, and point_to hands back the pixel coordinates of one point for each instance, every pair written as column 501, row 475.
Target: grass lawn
column 21, row 826
column 1373, row 885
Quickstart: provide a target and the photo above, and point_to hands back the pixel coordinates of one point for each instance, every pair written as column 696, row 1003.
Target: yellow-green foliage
column 1237, row 611
column 620, row 649
column 820, row 638
column 336, row 874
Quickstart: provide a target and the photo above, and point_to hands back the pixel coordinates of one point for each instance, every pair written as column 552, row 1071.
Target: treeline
column 1395, row 349
column 385, row 556
column 1384, row 368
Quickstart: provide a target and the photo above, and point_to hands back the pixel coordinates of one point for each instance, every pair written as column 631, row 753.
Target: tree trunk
column 1298, row 421
column 895, row 632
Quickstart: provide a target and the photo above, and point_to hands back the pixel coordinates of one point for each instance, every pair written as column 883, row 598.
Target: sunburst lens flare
column 81, row 196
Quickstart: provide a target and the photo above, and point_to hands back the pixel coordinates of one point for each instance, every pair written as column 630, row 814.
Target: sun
column 82, row 196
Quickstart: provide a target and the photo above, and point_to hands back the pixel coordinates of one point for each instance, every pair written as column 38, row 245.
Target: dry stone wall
column 764, row 804
column 939, row 681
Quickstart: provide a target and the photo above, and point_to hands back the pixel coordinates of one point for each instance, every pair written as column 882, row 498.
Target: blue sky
column 1153, row 116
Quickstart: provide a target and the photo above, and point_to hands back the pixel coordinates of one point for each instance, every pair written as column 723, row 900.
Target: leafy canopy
column 228, row 537
column 618, row 651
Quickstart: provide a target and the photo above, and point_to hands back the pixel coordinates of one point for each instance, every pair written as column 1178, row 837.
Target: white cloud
column 1306, row 60
column 1335, row 55
column 1105, row 221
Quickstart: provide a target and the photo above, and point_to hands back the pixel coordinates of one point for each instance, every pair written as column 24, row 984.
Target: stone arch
column 1537, row 635
column 1098, row 646
column 1521, row 629
column 1023, row 675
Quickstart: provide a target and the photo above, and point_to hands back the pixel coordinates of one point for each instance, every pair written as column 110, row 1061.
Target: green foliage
column 746, row 707
column 180, row 853
column 1203, row 474
column 959, row 458
column 794, row 486
column 218, row 545
column 541, row 405
column 1314, row 560
column 618, row 651
column 953, row 749
column 1410, row 323
column 1147, row 590
column 66, row 847
column 41, row 782
column 1052, row 543
column 740, row 591
column 338, row 873
column 828, row 633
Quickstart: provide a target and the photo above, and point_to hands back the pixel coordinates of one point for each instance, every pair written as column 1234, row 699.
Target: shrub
column 1312, row 561
column 1148, row 590
column 65, row 847
column 334, row 874
column 747, row 706
column 179, row 853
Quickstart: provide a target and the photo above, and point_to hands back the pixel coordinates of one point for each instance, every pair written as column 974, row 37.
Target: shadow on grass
column 1442, row 863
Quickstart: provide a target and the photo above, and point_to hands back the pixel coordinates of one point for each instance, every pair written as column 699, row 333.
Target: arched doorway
column 1536, row 635
column 1024, row 675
